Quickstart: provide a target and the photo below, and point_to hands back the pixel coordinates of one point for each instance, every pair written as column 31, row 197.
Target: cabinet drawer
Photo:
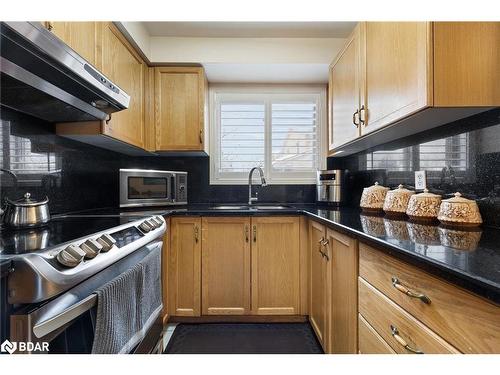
column 450, row 309
column 400, row 330
column 370, row 342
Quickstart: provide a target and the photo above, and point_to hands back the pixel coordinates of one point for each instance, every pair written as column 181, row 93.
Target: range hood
column 43, row 77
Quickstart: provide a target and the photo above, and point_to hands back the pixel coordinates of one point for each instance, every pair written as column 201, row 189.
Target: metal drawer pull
column 201, row 136
column 196, row 234
column 422, row 297
column 361, row 120
column 254, row 233
column 324, row 242
column 247, row 233
column 354, row 118
column 401, row 341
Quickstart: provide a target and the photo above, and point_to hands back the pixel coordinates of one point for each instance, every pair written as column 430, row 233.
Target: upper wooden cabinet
column 179, row 108
column 225, row 265
column 344, row 93
column 425, row 73
column 119, row 61
column 396, row 74
column 81, row 36
column 275, row 266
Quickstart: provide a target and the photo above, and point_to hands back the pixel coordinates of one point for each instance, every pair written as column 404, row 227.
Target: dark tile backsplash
column 462, row 156
column 77, row 176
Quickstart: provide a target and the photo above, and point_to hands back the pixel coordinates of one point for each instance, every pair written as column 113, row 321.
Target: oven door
column 67, row 323
column 139, row 188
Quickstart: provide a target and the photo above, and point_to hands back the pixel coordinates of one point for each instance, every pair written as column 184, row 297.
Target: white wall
column 137, row 31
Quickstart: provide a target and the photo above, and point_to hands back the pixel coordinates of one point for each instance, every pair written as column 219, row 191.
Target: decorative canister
column 396, row 201
column 423, row 234
column 396, row 229
column 373, row 197
column 373, row 225
column 424, row 206
column 466, row 240
column 459, row 211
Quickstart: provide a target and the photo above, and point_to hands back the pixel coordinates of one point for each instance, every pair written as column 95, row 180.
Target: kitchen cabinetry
column 115, row 57
column 344, row 92
column 275, row 266
column 225, row 265
column 395, row 79
column 179, row 108
column 184, row 279
column 429, row 314
column 83, row 37
column 320, row 292
column 342, row 253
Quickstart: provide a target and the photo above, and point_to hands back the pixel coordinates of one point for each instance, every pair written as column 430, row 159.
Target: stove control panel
column 75, row 253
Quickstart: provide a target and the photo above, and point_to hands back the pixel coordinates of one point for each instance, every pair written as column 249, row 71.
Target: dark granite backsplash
column 462, row 156
column 77, row 176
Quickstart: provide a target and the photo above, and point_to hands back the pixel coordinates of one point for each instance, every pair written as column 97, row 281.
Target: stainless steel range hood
column 43, row 77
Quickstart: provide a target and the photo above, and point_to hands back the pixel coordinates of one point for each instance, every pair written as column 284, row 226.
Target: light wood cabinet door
column 179, row 108
column 119, row 61
column 342, row 256
column 344, row 94
column 185, row 267
column 318, row 295
column 466, row 64
column 225, row 265
column 80, row 36
column 370, row 342
column 397, row 67
column 275, row 266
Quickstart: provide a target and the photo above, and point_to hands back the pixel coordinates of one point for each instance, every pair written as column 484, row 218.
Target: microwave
column 144, row 187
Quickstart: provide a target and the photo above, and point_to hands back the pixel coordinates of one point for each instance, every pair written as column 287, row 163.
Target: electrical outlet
column 420, row 180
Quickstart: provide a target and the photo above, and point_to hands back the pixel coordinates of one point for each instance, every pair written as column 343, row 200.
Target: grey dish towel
column 127, row 306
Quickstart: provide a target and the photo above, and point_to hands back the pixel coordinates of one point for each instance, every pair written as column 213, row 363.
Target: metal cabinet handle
column 50, row 25
column 354, row 118
column 201, row 136
column 401, row 341
column 247, row 233
column 196, row 234
column 399, row 286
column 321, row 240
column 254, row 233
column 362, row 119
column 108, row 119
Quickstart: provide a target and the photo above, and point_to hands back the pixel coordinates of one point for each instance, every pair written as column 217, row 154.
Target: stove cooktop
column 59, row 230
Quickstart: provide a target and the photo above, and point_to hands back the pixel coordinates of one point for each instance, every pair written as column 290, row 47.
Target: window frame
column 263, row 94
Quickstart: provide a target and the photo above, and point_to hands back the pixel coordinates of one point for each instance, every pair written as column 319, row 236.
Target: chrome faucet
column 262, row 182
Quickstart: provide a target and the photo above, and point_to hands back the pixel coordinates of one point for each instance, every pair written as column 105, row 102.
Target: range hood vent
column 43, row 77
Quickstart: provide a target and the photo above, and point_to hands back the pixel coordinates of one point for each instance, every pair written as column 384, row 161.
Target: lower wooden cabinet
column 370, row 342
column 275, row 266
column 184, row 269
column 320, row 292
column 225, row 266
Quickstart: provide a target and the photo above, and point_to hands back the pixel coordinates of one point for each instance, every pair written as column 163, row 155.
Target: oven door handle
column 42, row 329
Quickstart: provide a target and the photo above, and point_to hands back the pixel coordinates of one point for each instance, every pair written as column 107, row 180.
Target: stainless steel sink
column 252, row 207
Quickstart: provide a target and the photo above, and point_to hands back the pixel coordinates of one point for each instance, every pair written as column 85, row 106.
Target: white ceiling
column 267, row 73
column 251, row 29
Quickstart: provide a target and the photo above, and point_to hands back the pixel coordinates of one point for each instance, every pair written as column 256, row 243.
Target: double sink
column 257, row 207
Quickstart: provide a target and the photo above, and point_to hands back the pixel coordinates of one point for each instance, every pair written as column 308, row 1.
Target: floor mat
column 244, row 338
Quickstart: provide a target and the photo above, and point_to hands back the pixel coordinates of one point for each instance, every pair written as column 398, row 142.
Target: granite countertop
column 470, row 259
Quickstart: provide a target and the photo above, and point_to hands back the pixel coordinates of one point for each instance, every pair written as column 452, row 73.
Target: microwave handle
column 173, row 192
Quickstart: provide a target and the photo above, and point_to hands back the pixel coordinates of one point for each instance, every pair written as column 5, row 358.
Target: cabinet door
column 318, row 312
column 342, row 252
column 179, row 108
column 80, row 36
column 121, row 64
column 275, row 266
column 398, row 74
column 185, row 266
column 225, row 265
column 344, row 94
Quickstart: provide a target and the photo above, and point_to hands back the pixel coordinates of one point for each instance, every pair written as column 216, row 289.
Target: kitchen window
column 280, row 129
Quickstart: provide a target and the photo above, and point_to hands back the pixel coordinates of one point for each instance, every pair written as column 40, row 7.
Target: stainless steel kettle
column 26, row 212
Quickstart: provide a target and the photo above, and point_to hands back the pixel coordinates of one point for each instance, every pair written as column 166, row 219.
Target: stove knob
column 145, row 227
column 71, row 256
column 91, row 248
column 106, row 241
column 153, row 223
column 159, row 220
